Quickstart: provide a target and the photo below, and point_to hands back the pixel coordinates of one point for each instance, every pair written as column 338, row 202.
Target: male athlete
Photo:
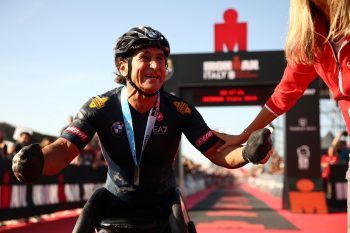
column 139, row 126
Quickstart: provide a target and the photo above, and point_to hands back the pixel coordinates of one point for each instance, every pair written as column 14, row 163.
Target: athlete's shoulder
column 178, row 104
column 168, row 95
column 101, row 101
column 111, row 93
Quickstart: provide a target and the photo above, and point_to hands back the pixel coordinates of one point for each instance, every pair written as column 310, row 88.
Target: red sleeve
column 295, row 80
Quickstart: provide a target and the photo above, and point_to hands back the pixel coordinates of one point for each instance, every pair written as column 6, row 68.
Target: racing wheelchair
column 143, row 221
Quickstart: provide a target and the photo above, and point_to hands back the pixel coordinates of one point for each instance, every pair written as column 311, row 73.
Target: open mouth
column 151, row 76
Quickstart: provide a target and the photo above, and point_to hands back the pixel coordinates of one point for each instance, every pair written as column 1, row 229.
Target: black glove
column 258, row 145
column 28, row 163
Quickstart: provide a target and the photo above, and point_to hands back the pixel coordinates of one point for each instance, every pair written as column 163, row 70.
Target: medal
column 137, row 175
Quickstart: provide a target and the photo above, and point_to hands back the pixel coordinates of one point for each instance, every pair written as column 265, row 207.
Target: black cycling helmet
column 140, row 37
column 137, row 38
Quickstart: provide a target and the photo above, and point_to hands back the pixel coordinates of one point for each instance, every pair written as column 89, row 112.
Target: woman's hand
column 230, row 139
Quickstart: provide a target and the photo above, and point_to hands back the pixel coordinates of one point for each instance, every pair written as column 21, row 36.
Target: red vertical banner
column 61, row 194
column 5, row 194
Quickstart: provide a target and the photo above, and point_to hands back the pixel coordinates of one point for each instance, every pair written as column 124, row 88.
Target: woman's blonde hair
column 301, row 45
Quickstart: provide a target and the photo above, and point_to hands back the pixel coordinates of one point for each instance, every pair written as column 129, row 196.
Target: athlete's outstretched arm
column 264, row 118
column 257, row 151
column 229, row 157
column 58, row 155
column 32, row 161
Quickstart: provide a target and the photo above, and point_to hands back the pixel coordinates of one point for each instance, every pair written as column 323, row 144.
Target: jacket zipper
column 340, row 77
column 336, row 57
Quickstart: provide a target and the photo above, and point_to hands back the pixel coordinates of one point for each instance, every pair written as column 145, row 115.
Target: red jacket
column 297, row 77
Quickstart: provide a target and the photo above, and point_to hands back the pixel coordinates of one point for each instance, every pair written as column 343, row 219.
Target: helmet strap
column 128, row 78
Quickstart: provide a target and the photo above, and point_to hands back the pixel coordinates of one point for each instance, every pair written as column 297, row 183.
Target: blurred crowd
column 337, row 153
column 197, row 177
column 10, row 148
column 89, row 156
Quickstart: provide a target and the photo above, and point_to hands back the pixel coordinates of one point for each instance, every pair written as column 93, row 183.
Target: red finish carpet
column 239, row 208
column 243, row 209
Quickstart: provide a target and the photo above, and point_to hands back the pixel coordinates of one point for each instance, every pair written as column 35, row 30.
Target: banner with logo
column 303, row 136
column 224, row 69
column 303, row 190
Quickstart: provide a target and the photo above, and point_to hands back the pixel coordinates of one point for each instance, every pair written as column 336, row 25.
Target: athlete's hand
column 28, row 163
column 229, row 139
column 258, row 147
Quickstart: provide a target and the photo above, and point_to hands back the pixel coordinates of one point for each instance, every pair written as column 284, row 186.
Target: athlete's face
column 148, row 69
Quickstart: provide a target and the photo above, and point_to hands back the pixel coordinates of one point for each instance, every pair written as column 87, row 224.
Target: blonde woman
column 318, row 44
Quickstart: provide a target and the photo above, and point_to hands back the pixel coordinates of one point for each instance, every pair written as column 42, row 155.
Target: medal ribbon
column 129, row 126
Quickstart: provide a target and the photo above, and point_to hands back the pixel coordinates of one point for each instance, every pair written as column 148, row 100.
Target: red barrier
column 68, row 190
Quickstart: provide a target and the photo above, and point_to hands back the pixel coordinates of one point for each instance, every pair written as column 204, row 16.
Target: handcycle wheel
column 191, row 227
column 130, row 225
column 190, row 224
